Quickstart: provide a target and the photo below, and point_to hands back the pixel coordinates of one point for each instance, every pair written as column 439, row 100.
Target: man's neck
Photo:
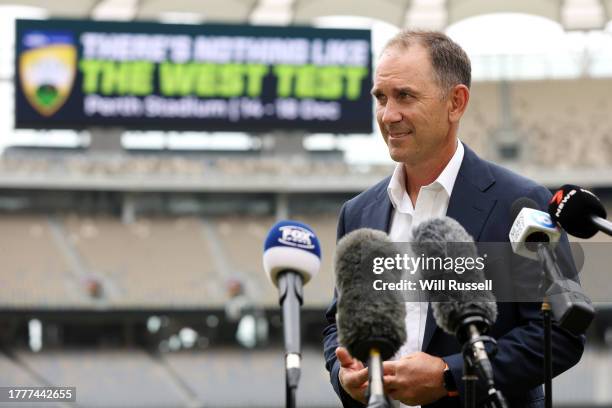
column 425, row 173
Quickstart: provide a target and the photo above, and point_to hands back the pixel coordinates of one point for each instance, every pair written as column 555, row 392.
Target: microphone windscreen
column 572, row 208
column 367, row 318
column 291, row 246
column 444, row 238
column 521, row 203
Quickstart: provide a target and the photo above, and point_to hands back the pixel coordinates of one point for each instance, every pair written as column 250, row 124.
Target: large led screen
column 135, row 75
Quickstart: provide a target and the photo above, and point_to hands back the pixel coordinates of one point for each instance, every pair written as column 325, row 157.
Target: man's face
column 411, row 113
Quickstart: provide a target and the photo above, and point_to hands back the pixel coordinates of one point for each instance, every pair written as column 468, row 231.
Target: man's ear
column 458, row 100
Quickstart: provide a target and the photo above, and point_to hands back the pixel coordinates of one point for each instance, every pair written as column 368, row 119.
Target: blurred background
column 131, row 255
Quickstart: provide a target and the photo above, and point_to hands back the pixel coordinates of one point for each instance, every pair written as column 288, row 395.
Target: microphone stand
column 546, row 311
column 475, row 367
column 290, row 287
column 547, row 321
column 494, row 399
column 469, row 380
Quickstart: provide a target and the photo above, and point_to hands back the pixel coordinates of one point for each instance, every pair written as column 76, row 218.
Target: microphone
column 371, row 325
column 291, row 258
column 466, row 314
column 531, row 226
column 533, row 235
column 579, row 212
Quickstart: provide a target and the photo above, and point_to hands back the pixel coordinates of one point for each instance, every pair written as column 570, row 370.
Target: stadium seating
column 134, row 378
column 172, row 262
column 481, row 117
column 562, row 124
column 152, row 262
column 34, row 273
column 212, row 375
column 561, row 130
column 169, row 262
column 13, row 373
column 108, row 378
column 320, row 290
column 242, row 239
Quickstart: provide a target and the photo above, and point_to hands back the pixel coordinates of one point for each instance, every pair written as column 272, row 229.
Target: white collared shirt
column 432, row 201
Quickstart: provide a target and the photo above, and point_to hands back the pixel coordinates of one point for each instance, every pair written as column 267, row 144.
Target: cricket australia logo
column 47, row 69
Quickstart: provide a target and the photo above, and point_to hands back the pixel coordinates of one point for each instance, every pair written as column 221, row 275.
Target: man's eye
column 380, row 98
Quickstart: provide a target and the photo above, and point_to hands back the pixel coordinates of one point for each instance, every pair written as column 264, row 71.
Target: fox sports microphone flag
column 291, row 246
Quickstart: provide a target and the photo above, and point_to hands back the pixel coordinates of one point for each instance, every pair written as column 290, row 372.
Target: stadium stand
column 179, row 262
column 119, row 378
column 34, row 272
column 155, row 262
column 14, row 373
column 211, row 376
column 241, row 241
column 17, row 375
column 481, row 118
column 109, row 378
column 566, row 124
column 320, row 290
column 586, row 384
column 561, row 124
column 245, row 236
column 150, row 262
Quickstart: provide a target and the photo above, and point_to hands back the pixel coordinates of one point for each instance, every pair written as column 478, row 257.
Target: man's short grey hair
column 450, row 63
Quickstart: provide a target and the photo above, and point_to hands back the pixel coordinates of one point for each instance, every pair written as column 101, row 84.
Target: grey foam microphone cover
column 367, row 318
column 445, row 238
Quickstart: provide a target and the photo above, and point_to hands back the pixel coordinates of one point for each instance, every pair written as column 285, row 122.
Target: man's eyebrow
column 406, row 89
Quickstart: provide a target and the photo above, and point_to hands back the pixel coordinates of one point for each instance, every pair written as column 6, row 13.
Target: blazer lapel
column 378, row 214
column 470, row 206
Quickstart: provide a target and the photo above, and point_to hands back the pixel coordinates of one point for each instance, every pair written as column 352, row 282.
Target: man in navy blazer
column 421, row 88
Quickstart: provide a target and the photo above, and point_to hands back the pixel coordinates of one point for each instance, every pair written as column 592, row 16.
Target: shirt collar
column 397, row 185
column 449, row 174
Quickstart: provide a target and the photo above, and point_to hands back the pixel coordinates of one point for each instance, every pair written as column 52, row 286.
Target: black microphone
column 371, row 324
column 533, row 235
column 292, row 256
column 466, row 314
column 579, row 212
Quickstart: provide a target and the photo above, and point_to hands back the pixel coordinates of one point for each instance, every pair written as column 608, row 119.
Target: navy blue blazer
column 481, row 199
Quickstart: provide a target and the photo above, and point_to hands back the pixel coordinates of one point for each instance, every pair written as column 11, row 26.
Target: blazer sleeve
column 518, row 364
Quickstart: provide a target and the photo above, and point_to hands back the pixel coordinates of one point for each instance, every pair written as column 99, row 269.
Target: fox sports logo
column 296, row 236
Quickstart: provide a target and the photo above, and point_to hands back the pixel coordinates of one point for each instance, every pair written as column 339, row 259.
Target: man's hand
column 353, row 375
column 416, row 379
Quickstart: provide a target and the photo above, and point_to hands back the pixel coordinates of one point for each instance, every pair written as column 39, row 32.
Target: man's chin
column 397, row 156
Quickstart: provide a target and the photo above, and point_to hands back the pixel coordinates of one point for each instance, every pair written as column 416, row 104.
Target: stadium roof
column 431, row 14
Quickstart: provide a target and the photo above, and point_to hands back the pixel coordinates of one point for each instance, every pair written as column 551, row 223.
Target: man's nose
column 391, row 113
